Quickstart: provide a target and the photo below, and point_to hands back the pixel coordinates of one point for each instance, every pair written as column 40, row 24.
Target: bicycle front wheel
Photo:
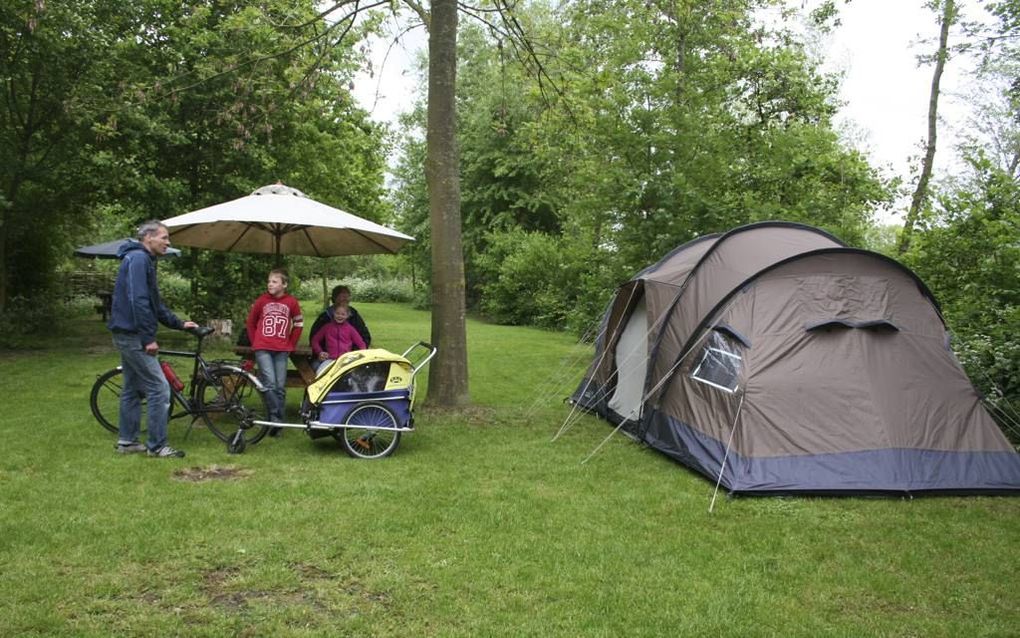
column 228, row 402
column 105, row 398
column 105, row 402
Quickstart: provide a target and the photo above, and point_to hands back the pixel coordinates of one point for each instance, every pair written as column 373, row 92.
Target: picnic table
column 303, row 373
column 105, row 305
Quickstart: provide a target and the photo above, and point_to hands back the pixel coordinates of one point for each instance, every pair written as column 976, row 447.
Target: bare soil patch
column 212, row 473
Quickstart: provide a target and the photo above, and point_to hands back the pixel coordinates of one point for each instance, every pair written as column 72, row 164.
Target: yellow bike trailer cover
column 399, row 378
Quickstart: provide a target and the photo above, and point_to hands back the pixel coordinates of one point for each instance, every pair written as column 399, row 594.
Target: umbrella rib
column 311, row 242
column 247, row 227
column 385, row 248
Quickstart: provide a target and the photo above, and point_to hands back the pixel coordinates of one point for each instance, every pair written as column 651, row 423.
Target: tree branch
column 254, row 61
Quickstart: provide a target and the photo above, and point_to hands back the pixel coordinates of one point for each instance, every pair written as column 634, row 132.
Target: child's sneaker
column 130, row 448
column 167, row 452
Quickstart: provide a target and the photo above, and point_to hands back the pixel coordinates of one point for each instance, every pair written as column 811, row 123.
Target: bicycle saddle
column 202, row 331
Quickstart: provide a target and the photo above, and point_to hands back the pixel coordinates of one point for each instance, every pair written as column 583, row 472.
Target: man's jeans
column 273, row 375
column 142, row 377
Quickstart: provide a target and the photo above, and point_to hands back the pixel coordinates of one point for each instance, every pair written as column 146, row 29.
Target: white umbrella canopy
column 282, row 220
column 110, row 250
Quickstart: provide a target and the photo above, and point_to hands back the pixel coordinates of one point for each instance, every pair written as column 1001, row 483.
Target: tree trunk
column 921, row 192
column 448, row 386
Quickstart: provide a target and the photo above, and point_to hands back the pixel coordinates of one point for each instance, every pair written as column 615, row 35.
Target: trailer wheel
column 362, row 439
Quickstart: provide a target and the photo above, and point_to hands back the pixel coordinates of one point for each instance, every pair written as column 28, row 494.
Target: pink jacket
column 336, row 339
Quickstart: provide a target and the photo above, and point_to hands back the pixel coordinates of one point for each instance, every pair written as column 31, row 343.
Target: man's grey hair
column 149, row 228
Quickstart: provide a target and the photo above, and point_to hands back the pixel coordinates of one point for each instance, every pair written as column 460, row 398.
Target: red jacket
column 275, row 323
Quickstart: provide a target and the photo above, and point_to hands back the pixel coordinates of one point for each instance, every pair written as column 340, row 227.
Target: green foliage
column 969, row 256
column 697, row 121
column 652, row 124
column 175, row 291
column 147, row 109
column 369, row 289
column 55, row 58
column 381, row 290
column 28, row 323
column 544, row 280
column 221, row 285
column 526, row 277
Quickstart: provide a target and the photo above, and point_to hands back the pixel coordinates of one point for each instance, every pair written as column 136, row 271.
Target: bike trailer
column 374, row 375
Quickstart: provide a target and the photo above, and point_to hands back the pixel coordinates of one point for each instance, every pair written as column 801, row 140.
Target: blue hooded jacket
column 136, row 307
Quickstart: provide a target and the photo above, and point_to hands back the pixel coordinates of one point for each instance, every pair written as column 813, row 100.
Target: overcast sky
column 885, row 91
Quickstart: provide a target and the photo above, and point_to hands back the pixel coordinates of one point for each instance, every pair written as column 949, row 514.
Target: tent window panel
column 720, row 364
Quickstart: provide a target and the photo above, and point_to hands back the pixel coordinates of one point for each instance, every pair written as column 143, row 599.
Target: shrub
column 527, row 278
column 382, row 289
column 175, row 290
column 25, row 321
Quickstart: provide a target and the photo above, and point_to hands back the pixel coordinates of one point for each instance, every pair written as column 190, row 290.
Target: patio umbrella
column 282, row 220
column 110, row 249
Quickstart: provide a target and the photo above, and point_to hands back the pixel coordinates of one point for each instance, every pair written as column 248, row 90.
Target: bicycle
column 226, row 397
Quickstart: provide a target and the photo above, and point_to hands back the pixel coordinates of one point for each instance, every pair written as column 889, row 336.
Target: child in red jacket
column 274, row 327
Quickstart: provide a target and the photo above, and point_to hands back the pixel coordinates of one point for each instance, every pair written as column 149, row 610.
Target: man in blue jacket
column 136, row 312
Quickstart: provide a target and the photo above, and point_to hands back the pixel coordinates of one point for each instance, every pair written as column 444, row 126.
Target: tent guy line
column 729, row 446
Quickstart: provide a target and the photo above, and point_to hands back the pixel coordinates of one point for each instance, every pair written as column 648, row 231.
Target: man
column 135, row 314
column 341, row 295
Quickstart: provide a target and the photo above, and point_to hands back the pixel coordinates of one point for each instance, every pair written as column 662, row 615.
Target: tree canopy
column 577, row 143
column 116, row 112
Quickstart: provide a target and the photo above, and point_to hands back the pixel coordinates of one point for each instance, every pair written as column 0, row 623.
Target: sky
column 390, row 89
column 885, row 92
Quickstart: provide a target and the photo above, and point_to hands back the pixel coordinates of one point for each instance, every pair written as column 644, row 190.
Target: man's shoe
column 130, row 448
column 275, row 432
column 167, row 452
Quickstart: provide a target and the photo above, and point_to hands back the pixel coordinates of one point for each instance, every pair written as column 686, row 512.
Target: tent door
column 632, row 364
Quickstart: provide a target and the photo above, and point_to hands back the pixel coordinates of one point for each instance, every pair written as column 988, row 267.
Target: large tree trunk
column 921, row 192
column 448, row 385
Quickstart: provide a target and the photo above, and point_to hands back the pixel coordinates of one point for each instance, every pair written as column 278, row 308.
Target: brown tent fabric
column 775, row 359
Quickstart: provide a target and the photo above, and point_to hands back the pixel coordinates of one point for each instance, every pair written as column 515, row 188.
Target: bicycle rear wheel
column 104, row 401
column 229, row 401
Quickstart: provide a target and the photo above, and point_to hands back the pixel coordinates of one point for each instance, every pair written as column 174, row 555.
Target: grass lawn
column 479, row 525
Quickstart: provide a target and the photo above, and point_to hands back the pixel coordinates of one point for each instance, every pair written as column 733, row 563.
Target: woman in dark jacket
column 342, row 295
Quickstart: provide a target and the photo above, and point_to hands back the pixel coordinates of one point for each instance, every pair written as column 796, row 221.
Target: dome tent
column 773, row 358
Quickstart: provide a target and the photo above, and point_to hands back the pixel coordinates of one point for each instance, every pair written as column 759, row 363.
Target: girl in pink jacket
column 335, row 338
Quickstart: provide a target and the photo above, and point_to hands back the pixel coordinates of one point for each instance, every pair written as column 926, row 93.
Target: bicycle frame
column 186, row 397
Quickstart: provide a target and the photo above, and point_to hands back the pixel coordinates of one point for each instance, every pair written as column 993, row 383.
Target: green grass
column 479, row 525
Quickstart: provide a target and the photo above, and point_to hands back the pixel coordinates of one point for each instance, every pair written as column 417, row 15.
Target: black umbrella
column 109, row 250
